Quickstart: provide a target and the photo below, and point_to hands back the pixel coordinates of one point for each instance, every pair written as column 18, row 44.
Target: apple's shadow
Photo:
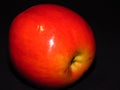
column 23, row 79
column 28, row 83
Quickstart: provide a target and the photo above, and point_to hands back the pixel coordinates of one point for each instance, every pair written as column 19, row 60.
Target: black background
column 102, row 16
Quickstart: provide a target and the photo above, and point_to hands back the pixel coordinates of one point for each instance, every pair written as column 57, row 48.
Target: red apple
column 51, row 45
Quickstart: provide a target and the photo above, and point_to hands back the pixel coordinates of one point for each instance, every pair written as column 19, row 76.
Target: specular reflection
column 51, row 43
column 40, row 28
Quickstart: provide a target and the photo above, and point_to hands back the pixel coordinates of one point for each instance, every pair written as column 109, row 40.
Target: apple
column 51, row 45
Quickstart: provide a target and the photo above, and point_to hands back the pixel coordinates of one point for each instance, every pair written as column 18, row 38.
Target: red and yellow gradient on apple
column 51, row 45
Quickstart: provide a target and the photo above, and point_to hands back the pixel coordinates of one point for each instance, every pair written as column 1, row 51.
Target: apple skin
column 51, row 45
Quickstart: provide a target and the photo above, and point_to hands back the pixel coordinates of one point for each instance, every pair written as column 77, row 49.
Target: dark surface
column 103, row 17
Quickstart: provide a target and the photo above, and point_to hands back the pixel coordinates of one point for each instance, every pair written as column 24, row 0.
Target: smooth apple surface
column 51, row 45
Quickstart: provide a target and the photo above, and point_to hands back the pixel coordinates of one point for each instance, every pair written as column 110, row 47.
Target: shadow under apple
column 30, row 84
